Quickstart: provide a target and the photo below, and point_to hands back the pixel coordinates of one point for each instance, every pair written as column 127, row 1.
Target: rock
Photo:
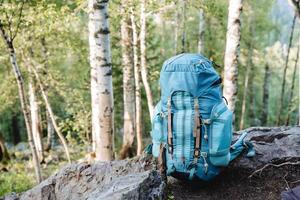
column 273, row 146
column 126, row 179
column 137, row 178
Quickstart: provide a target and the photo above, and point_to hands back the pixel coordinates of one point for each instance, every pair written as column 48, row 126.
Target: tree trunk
column 183, row 36
column 35, row 120
column 245, row 96
column 128, row 83
column 4, row 156
column 248, row 70
column 50, row 132
column 15, row 129
column 231, row 52
column 177, row 26
column 138, row 98
column 101, row 80
column 24, row 104
column 201, row 32
column 144, row 70
column 265, row 110
column 50, row 111
column 290, row 101
column 50, row 128
column 281, row 103
column 296, row 6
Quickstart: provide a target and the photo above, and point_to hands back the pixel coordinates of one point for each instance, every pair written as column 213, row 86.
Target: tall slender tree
column 290, row 100
column 8, row 40
column 183, row 28
column 137, row 79
column 144, row 70
column 101, row 80
column 265, row 105
column 35, row 119
column 281, row 103
column 248, row 71
column 201, row 31
column 50, row 128
column 48, row 107
column 231, row 52
column 128, row 83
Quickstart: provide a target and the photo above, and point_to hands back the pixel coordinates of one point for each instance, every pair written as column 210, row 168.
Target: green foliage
column 57, row 33
column 15, row 182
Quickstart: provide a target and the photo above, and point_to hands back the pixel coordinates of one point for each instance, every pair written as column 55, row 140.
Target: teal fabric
column 183, row 78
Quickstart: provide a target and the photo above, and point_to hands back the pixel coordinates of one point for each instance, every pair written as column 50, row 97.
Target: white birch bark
column 50, row 128
column 138, row 98
column 128, row 81
column 50, row 111
column 144, row 70
column 101, row 80
column 183, row 27
column 231, row 52
column 23, row 100
column 35, row 120
column 201, row 32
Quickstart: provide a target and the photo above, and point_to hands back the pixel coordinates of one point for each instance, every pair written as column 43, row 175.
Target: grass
column 19, row 174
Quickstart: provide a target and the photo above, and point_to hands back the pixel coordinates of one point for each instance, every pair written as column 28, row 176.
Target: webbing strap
column 170, row 135
column 197, row 130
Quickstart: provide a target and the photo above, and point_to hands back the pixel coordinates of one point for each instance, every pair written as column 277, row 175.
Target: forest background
column 53, row 36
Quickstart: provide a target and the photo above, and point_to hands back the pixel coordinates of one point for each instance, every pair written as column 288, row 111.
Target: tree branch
column 19, row 21
column 273, row 165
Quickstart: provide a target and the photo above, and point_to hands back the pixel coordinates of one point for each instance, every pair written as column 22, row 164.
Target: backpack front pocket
column 220, row 135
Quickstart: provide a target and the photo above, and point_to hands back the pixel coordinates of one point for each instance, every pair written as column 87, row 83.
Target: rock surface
column 273, row 146
column 137, row 178
column 125, row 179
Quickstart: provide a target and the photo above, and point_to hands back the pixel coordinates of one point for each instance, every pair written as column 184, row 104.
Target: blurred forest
column 51, row 43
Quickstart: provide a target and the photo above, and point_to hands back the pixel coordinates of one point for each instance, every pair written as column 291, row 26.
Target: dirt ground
column 235, row 185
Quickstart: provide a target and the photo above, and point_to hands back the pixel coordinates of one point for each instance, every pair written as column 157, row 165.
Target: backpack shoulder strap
column 170, row 135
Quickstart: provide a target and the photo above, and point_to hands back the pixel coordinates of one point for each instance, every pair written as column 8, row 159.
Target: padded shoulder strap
column 170, row 135
column 196, row 132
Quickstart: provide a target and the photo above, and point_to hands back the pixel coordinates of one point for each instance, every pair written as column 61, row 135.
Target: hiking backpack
column 191, row 125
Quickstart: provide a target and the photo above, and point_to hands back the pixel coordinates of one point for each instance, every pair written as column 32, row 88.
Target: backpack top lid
column 187, row 72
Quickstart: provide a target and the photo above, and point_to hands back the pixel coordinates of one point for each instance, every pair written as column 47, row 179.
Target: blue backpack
column 191, row 125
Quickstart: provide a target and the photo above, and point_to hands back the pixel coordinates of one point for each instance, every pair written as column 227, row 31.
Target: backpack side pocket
column 220, row 135
column 157, row 130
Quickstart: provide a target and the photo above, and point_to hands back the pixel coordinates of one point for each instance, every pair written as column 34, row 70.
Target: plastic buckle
column 206, row 121
column 197, row 152
column 204, row 154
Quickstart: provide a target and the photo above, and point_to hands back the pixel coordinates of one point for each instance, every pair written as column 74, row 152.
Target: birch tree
column 49, row 108
column 144, row 70
column 35, row 119
column 232, row 52
column 201, row 31
column 183, row 28
column 101, row 80
column 248, row 73
column 281, row 102
column 290, row 100
column 8, row 40
column 50, row 128
column 128, row 83
column 137, row 79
